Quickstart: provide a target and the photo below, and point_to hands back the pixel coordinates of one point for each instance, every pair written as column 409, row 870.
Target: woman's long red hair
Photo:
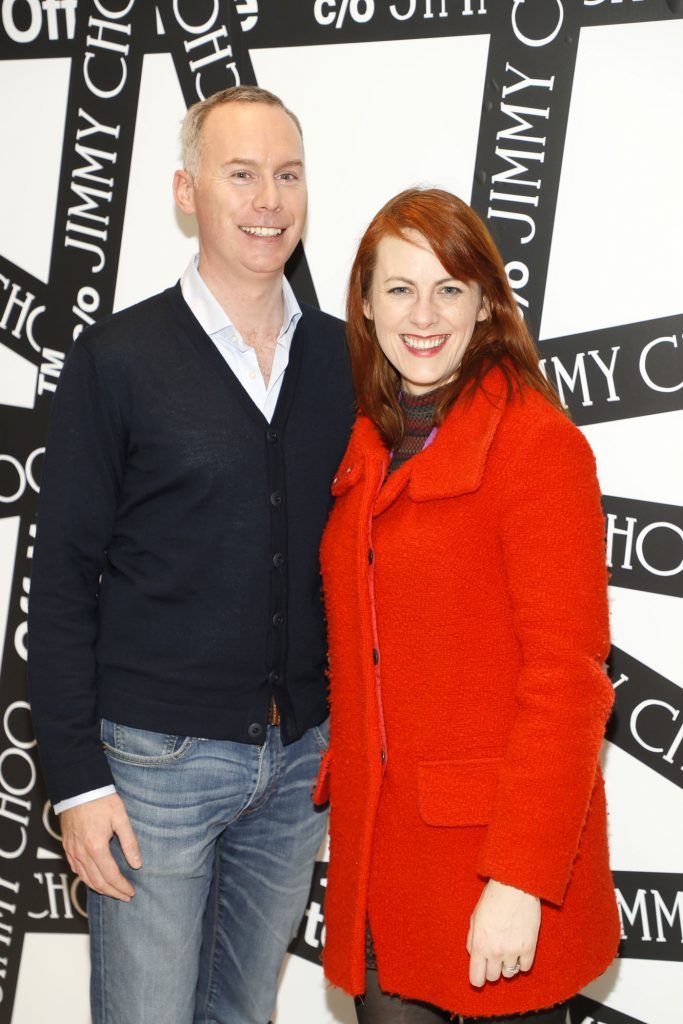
column 464, row 247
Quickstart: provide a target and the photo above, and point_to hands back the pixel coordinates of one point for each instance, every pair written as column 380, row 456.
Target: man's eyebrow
column 244, row 160
column 249, row 162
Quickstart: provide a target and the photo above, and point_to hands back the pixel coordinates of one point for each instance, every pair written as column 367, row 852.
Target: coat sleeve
column 552, row 537
column 79, row 489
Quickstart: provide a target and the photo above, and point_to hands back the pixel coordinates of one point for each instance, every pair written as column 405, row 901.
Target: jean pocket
column 322, row 735
column 142, row 746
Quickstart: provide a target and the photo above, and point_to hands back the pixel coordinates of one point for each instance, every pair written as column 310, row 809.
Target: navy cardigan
column 176, row 583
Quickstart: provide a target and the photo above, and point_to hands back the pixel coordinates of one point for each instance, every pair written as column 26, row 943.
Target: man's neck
column 254, row 304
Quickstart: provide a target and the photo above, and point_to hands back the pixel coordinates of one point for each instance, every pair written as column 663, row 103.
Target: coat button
column 375, row 655
column 276, row 499
column 278, row 619
column 272, row 436
column 383, row 755
column 371, row 556
column 255, row 729
column 278, row 559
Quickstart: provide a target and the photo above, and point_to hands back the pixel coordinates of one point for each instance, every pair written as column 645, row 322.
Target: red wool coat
column 467, row 614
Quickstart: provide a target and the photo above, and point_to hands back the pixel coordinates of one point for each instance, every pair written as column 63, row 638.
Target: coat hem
column 466, row 1009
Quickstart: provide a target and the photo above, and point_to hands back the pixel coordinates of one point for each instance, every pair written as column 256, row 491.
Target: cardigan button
column 255, row 729
column 278, row 619
column 276, row 499
column 272, row 436
column 273, row 677
column 278, row 559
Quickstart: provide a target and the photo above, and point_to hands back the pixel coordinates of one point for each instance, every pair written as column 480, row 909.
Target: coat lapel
column 452, row 465
column 365, row 450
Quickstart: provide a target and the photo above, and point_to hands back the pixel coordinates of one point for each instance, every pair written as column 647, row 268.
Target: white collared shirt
column 241, row 358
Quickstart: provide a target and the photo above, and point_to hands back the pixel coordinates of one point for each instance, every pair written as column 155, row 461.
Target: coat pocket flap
column 348, row 474
column 321, row 793
column 457, row 792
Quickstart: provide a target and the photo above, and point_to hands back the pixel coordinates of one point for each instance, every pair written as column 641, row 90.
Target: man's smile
column 261, row 232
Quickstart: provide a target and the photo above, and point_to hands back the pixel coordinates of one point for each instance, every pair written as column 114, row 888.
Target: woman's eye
column 451, row 289
column 398, row 290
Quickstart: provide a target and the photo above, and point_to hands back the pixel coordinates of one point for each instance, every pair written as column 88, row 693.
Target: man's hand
column 86, row 833
column 503, row 933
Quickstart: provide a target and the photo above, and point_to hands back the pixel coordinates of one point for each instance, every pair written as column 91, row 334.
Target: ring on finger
column 510, row 970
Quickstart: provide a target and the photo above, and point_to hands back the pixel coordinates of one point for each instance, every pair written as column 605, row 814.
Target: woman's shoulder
column 537, row 428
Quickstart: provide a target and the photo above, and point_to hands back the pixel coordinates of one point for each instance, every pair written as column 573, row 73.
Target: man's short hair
column 193, row 122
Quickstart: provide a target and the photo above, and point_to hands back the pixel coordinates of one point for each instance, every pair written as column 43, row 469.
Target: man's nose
column 267, row 195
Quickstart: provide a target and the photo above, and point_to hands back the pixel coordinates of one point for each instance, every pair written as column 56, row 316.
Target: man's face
column 249, row 196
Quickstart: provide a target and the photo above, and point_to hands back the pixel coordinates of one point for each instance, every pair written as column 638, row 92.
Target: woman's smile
column 423, row 347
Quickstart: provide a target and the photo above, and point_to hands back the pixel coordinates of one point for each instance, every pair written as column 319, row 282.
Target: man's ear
column 183, row 191
column 367, row 310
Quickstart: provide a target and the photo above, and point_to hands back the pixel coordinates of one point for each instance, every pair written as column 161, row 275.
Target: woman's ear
column 484, row 309
column 367, row 310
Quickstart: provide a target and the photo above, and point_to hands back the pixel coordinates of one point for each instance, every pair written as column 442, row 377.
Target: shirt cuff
column 83, row 798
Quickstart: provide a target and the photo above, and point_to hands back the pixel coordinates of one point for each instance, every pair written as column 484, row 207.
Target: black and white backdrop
column 561, row 121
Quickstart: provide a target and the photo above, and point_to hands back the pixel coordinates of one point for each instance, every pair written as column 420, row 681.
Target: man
column 177, row 637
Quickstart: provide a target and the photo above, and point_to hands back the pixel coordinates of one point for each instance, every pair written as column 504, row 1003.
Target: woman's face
column 423, row 317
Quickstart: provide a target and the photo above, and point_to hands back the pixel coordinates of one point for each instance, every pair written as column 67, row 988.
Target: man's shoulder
column 324, row 322
column 133, row 327
column 327, row 332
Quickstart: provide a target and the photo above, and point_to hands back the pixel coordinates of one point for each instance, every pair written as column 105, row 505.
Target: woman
column 465, row 586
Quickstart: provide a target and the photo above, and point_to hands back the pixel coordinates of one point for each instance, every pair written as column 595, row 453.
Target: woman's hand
column 503, row 933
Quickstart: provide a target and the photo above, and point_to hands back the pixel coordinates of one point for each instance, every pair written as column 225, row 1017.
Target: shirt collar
column 213, row 317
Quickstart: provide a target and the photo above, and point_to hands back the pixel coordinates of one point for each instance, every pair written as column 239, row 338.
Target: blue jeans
column 228, row 836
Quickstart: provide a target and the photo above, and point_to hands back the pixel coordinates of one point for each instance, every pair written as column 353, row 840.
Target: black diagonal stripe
column 98, row 143
column 630, row 13
column 519, row 156
column 24, row 301
column 30, row 32
column 583, row 1010
column 618, row 372
column 348, row 21
column 207, row 45
column 650, row 905
column 646, row 721
column 645, row 545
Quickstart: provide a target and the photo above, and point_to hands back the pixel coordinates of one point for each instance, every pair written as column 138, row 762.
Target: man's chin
column 268, row 266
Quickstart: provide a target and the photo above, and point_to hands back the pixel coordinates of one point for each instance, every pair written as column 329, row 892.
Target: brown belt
column 273, row 713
